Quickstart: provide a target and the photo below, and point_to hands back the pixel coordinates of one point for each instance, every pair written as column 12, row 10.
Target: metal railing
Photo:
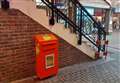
column 83, row 25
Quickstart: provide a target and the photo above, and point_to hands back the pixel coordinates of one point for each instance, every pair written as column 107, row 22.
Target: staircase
column 83, row 34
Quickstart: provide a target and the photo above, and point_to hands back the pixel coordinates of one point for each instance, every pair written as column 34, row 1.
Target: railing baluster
column 80, row 29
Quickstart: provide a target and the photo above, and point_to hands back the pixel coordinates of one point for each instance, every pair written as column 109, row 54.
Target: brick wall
column 17, row 56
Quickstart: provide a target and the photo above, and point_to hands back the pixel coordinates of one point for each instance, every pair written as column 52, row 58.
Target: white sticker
column 49, row 61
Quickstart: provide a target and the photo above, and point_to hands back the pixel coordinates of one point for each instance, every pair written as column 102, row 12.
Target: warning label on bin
column 46, row 37
column 49, row 61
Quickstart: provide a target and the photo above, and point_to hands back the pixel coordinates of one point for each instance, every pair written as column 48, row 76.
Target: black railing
column 83, row 25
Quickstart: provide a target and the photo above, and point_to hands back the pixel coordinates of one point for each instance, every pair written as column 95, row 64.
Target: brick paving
column 99, row 71
column 96, row 72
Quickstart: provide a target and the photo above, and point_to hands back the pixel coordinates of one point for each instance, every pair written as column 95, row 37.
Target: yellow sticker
column 47, row 37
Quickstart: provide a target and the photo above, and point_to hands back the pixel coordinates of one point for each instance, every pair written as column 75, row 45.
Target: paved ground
column 99, row 71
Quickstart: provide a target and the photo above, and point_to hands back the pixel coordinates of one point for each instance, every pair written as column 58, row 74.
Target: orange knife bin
column 46, row 55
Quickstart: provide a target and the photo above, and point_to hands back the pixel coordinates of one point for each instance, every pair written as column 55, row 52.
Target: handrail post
column 74, row 16
column 80, row 29
column 99, row 39
column 104, row 35
column 52, row 1
column 52, row 20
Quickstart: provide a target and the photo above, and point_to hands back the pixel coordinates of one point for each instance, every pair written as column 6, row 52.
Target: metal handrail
column 70, row 22
column 66, row 18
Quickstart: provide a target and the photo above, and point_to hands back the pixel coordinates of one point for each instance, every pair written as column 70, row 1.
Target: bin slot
column 49, row 43
column 50, row 49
